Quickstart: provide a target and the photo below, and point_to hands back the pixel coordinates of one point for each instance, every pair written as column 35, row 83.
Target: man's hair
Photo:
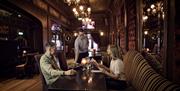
column 50, row 44
column 80, row 29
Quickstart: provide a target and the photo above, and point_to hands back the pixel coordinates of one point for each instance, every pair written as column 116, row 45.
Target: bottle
column 101, row 62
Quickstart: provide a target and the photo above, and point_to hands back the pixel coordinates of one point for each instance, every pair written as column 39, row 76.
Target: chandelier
column 72, row 2
column 82, row 11
column 87, row 21
column 155, row 9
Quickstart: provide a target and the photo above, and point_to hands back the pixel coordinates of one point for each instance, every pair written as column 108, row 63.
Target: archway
column 19, row 31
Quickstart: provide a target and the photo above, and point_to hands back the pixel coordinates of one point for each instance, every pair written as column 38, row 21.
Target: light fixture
column 145, row 18
column 147, row 49
column 102, row 33
column 75, row 34
column 20, row 33
column 155, row 9
column 74, row 9
column 19, row 16
column 82, row 11
column 81, row 8
column 145, row 32
column 24, row 51
column 86, row 21
column 72, row 2
column 89, row 9
column 148, row 10
column 80, row 19
column 152, row 6
column 163, row 15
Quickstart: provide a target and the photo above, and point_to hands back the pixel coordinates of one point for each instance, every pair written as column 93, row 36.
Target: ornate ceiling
column 100, row 5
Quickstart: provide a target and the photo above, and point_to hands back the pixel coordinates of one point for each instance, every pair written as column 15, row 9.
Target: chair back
column 62, row 60
column 44, row 85
column 143, row 77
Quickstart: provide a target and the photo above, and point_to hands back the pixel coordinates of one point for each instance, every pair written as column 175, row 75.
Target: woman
column 116, row 70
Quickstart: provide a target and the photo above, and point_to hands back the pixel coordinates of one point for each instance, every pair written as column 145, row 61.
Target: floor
column 29, row 84
column 25, row 84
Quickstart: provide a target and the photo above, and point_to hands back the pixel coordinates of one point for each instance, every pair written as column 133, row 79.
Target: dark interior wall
column 8, row 58
column 45, row 12
column 101, row 25
column 177, row 42
column 123, row 24
column 21, row 21
column 171, row 44
column 116, row 22
column 11, row 44
column 35, row 11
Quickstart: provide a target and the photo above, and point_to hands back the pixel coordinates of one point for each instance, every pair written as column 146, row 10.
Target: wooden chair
column 21, row 69
column 27, row 68
column 44, row 85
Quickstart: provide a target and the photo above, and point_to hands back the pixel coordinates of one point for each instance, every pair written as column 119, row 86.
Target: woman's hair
column 113, row 50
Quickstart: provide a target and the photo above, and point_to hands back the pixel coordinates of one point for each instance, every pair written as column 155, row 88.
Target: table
column 82, row 81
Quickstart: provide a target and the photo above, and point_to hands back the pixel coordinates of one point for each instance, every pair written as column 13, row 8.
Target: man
column 81, row 46
column 49, row 65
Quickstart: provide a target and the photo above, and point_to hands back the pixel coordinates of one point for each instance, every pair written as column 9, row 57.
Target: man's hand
column 70, row 72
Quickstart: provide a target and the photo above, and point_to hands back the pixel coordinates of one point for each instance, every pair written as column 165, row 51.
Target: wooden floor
column 30, row 84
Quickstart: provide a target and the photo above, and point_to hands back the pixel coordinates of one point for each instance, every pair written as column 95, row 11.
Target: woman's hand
column 94, row 62
column 102, row 70
column 100, row 65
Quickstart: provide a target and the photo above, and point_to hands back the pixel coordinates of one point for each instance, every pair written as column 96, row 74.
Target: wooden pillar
column 169, row 40
column 139, row 24
column 125, row 24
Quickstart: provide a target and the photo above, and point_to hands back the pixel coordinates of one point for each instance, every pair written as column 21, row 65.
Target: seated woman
column 116, row 70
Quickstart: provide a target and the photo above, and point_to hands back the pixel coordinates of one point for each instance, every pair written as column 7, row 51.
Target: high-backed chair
column 44, row 85
column 26, row 69
column 143, row 77
column 62, row 60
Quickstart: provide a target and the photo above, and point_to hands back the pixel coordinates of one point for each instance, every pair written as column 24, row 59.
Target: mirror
column 153, row 26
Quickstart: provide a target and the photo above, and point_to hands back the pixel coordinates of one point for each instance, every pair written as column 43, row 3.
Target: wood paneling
column 176, row 64
column 131, row 23
column 99, row 5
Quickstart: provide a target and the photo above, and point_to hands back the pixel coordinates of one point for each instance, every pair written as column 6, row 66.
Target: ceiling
column 97, row 6
column 100, row 5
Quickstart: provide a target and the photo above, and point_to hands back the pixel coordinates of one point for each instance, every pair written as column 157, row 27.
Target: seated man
column 50, row 67
column 116, row 70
